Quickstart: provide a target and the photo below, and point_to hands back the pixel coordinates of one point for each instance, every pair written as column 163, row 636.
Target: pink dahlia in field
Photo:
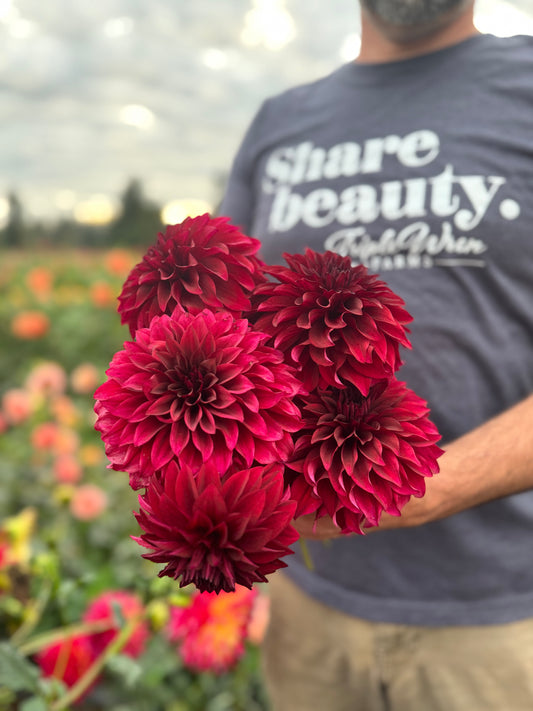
column 210, row 632
column 356, row 457
column 196, row 388
column 217, row 532
column 108, row 607
column 338, row 323
column 202, row 262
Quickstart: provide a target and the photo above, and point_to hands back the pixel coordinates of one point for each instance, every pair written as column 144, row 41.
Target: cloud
column 68, row 69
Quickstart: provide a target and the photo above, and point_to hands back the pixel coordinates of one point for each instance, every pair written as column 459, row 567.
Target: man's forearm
column 491, row 461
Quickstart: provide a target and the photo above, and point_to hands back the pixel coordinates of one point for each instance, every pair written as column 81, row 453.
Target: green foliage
column 136, row 225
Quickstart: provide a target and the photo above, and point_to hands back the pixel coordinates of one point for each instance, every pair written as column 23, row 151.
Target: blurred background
column 101, row 98
column 118, row 117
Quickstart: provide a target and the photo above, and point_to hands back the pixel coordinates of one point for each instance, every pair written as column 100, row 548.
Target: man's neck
column 380, row 44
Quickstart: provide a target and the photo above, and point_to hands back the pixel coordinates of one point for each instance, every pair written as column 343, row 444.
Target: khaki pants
column 318, row 659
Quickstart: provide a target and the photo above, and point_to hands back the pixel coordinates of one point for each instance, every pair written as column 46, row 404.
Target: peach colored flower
column 3, row 423
column 91, row 455
column 40, row 281
column 259, row 619
column 67, row 441
column 102, row 294
column 30, row 325
column 85, row 378
column 44, row 436
column 17, row 406
column 67, row 469
column 119, row 262
column 47, row 378
column 88, row 502
column 65, row 411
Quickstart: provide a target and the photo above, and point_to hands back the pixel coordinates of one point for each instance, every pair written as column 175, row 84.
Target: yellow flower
column 15, row 538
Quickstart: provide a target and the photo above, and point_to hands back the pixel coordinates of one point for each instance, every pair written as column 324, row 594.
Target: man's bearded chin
column 412, row 13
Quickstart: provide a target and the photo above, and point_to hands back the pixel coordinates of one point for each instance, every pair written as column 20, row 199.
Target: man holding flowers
column 414, row 160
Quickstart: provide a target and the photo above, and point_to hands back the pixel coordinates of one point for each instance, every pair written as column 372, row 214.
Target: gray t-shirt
column 423, row 171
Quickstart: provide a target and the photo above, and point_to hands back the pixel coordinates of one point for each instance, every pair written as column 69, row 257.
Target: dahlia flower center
column 194, row 387
column 351, row 405
column 349, row 416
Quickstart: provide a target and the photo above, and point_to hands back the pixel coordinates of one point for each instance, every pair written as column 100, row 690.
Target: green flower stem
column 46, row 638
column 85, row 681
column 33, row 615
column 306, row 555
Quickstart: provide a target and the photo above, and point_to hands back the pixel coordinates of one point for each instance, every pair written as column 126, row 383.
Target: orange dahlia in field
column 196, row 388
column 30, row 325
column 202, row 262
column 336, row 322
column 356, row 456
column 217, row 531
column 210, row 632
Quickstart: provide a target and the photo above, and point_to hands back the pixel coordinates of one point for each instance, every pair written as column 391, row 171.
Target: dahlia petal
column 146, row 430
column 160, row 454
column 203, row 443
column 159, row 407
column 192, row 417
column 179, row 438
column 327, row 452
column 349, row 457
column 230, row 431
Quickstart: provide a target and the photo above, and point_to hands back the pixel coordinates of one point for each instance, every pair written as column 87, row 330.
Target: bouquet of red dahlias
column 242, row 402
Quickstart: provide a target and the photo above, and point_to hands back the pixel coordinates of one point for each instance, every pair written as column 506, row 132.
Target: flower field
column 85, row 622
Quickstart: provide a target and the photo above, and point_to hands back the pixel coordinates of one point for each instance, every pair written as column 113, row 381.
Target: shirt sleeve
column 238, row 202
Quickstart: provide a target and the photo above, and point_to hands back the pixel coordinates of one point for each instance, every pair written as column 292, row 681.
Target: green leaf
column 126, row 668
column 16, row 672
column 34, row 704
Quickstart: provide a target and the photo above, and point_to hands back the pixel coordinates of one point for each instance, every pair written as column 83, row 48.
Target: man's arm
column 491, row 461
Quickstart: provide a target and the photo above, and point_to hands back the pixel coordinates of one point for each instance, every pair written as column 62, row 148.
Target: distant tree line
column 136, row 225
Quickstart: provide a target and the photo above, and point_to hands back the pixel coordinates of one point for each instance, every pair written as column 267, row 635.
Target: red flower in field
column 210, row 632
column 68, row 659
column 217, row 532
column 107, row 607
column 356, row 457
column 201, row 262
column 195, row 388
column 339, row 323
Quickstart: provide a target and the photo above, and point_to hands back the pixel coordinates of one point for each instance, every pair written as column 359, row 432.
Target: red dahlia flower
column 105, row 608
column 196, row 387
column 211, row 630
column 338, row 323
column 68, row 659
column 217, row 532
column 356, row 457
column 202, row 262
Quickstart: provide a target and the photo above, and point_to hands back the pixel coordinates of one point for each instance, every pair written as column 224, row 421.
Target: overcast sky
column 95, row 93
